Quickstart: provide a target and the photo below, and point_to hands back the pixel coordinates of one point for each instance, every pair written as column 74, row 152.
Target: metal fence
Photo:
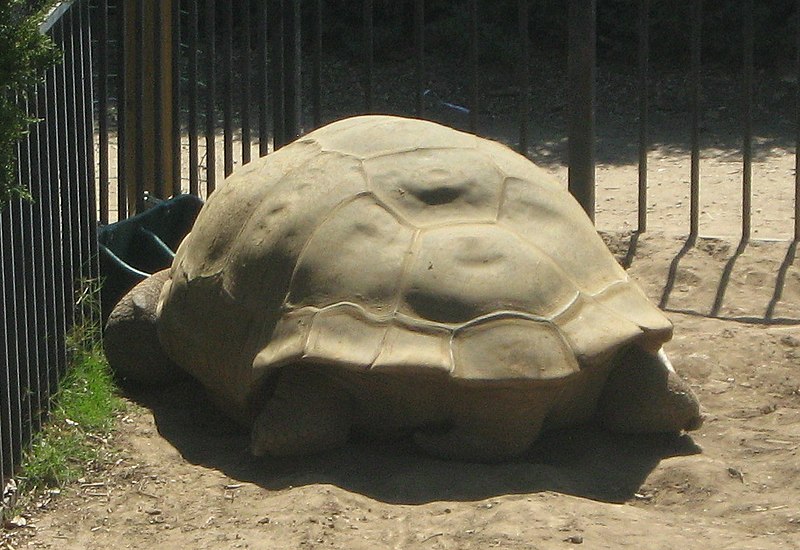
column 238, row 79
column 49, row 249
column 226, row 90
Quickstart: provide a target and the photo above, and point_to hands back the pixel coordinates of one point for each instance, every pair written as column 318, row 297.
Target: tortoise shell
column 386, row 244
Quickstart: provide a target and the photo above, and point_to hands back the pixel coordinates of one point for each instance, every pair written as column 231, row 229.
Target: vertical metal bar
column 102, row 106
column 582, row 48
column 747, row 115
column 292, row 56
column 797, row 126
column 158, row 116
column 67, row 177
column 694, row 182
column 6, row 462
column 70, row 148
column 419, row 55
column 122, row 108
column 644, row 83
column 524, row 75
column 316, row 71
column 194, row 160
column 11, row 380
column 23, row 266
column 211, row 90
column 4, row 386
column 36, row 270
column 278, row 74
column 85, row 184
column 85, row 146
column 175, row 21
column 91, row 262
column 245, row 64
column 227, row 87
column 473, row 62
column 139, row 106
column 369, row 55
column 45, row 205
column 263, row 84
column 54, row 202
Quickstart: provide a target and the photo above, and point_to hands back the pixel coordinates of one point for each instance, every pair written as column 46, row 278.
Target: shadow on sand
column 585, row 462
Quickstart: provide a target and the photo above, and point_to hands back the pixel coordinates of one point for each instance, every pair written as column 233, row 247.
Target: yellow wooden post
column 148, row 119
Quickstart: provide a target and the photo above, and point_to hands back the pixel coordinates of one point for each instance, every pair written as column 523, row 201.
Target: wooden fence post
column 148, row 100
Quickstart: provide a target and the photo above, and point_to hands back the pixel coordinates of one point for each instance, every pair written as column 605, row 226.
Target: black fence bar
column 54, row 200
column 11, row 409
column 524, row 75
column 211, row 89
column 139, row 106
column 158, row 110
column 23, row 242
column 369, row 55
column 49, row 302
column 262, row 86
column 66, row 178
column 175, row 19
column 292, row 65
column 419, row 56
column 38, row 320
column 47, row 245
column 227, row 87
column 694, row 175
column 91, row 260
column 102, row 107
column 581, row 84
column 84, row 129
column 244, row 62
column 644, row 84
column 192, row 125
column 473, row 63
column 747, row 117
column 316, row 67
column 122, row 107
column 5, row 385
column 277, row 73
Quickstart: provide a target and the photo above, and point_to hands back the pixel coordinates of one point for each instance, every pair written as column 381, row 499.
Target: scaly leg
column 307, row 413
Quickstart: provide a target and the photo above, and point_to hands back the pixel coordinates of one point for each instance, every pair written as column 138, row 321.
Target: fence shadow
column 726, row 278
column 584, row 461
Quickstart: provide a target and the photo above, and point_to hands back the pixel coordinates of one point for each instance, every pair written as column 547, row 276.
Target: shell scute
column 436, row 186
column 331, row 268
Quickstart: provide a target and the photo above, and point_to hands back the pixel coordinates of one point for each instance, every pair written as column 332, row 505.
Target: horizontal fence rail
column 49, row 246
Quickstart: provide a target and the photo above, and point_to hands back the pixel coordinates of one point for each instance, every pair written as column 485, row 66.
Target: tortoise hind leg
column 495, row 428
column 643, row 394
column 307, row 413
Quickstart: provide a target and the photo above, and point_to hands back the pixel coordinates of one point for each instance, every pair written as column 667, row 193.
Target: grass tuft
column 75, row 436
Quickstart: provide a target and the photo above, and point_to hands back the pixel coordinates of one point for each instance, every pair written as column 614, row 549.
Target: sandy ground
column 184, row 479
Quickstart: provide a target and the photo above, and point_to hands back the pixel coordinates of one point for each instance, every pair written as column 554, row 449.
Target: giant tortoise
column 389, row 276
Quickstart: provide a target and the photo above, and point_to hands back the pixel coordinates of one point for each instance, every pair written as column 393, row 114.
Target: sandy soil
column 185, row 480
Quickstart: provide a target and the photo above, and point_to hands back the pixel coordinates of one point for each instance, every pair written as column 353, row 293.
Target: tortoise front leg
column 307, row 413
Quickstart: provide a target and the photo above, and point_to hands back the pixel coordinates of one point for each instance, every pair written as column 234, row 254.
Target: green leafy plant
column 24, row 55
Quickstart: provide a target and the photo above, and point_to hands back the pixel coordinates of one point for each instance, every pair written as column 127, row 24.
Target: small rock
column 790, row 341
column 574, row 539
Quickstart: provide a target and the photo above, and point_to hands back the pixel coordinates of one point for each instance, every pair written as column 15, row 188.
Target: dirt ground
column 184, row 478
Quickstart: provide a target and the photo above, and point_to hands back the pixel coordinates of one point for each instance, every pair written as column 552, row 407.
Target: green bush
column 25, row 53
